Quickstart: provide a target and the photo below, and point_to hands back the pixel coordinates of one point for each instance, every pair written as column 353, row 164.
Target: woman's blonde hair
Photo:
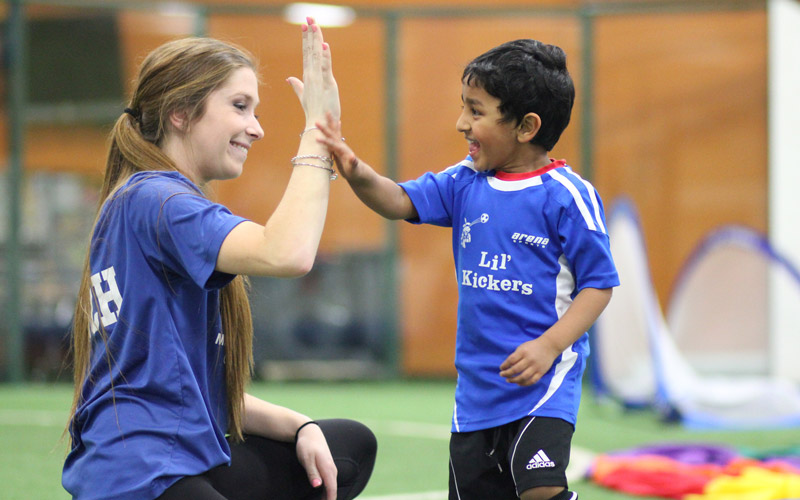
column 176, row 77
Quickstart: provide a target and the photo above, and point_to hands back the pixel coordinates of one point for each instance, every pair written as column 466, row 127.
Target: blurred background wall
column 671, row 112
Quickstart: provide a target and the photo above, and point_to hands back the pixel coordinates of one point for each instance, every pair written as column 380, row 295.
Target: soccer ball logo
column 466, row 229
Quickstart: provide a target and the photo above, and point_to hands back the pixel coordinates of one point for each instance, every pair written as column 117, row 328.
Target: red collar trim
column 506, row 176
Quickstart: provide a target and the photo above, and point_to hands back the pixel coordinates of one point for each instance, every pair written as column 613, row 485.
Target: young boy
column 533, row 265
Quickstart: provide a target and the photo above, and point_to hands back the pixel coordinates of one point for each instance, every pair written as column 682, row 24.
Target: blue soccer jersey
column 161, row 412
column 524, row 245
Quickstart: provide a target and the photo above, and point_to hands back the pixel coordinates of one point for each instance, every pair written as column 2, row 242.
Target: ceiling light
column 325, row 15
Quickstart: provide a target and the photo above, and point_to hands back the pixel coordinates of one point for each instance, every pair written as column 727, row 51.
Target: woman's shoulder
column 160, row 181
column 156, row 186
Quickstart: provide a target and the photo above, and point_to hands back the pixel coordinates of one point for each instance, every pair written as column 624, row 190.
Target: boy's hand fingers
column 512, row 359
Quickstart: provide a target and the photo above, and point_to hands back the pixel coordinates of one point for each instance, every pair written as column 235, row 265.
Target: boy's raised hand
column 345, row 158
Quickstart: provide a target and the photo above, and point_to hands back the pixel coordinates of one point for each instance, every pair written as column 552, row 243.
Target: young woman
column 162, row 332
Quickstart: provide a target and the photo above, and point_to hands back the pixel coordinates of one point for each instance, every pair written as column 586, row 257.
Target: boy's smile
column 493, row 143
column 480, row 121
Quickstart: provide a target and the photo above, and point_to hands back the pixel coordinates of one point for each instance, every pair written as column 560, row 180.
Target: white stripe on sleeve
column 576, row 195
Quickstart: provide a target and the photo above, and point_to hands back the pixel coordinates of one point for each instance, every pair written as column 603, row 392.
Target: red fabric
column 654, row 483
column 652, row 475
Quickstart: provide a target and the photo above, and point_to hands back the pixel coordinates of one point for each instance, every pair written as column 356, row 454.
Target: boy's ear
column 528, row 127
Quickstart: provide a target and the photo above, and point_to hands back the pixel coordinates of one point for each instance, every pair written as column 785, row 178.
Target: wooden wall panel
column 432, row 57
column 82, row 148
column 681, row 126
column 142, row 31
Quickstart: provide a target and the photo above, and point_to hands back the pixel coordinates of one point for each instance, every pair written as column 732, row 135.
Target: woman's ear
column 528, row 127
column 178, row 120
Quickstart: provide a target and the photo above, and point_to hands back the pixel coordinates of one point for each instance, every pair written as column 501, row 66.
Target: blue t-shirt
column 524, row 245
column 161, row 413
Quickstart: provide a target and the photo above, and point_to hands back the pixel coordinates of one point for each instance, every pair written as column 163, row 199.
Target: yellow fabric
column 754, row 483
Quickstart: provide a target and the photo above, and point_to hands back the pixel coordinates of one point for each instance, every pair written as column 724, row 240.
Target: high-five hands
column 344, row 156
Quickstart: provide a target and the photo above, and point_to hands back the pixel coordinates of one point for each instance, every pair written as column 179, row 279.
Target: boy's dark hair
column 527, row 76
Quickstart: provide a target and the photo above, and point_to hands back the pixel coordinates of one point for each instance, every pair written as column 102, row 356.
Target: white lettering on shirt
column 103, row 296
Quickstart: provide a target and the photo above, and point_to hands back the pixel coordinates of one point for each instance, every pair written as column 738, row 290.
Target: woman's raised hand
column 318, row 92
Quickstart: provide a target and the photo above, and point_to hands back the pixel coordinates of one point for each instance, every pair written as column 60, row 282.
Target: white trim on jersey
column 576, row 195
column 568, row 359
column 466, row 163
column 593, row 196
column 565, row 285
column 519, row 185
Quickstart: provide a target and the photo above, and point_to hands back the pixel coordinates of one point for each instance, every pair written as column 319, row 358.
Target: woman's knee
column 354, row 448
column 349, row 438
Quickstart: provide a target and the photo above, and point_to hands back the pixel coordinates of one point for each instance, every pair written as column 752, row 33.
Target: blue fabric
column 153, row 255
column 523, row 249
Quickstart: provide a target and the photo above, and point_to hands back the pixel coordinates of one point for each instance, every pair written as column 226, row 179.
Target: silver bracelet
column 313, row 128
column 333, row 173
column 327, row 159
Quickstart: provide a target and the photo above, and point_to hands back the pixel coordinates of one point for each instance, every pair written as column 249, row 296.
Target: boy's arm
column 531, row 360
column 381, row 194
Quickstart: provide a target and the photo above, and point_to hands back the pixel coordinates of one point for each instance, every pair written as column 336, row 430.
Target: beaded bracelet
column 333, row 173
column 327, row 159
column 297, row 433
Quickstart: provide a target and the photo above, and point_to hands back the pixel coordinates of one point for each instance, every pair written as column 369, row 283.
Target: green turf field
column 410, row 419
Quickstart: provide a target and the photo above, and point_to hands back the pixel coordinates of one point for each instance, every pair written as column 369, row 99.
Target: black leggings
column 266, row 469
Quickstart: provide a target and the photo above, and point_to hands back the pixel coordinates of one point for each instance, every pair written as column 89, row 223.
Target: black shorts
column 502, row 462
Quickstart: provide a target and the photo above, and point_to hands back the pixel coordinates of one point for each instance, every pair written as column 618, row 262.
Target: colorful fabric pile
column 700, row 472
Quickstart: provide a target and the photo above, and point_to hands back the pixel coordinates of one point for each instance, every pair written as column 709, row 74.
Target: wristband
column 297, row 432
